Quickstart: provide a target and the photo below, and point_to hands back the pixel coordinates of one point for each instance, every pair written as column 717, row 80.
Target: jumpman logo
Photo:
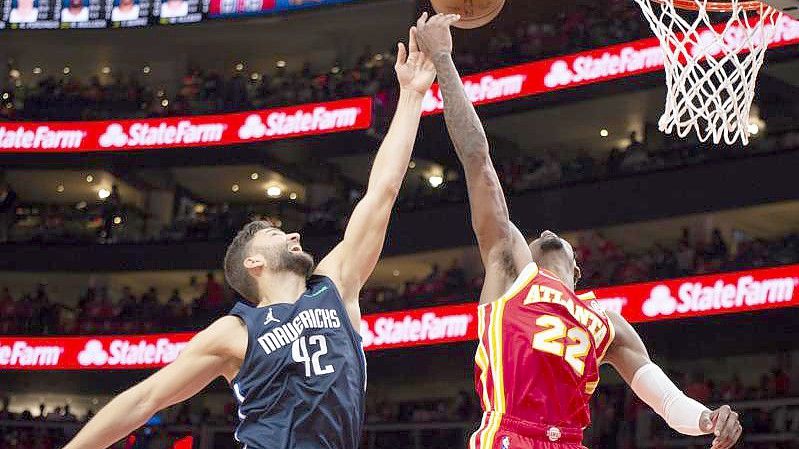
column 270, row 318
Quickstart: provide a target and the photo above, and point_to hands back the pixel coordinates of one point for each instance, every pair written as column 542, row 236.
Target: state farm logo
column 660, row 302
column 40, row 137
column 486, row 88
column 122, row 352
column 93, row 354
column 695, row 297
column 142, row 134
column 429, row 328
column 589, row 67
column 22, row 354
column 300, row 122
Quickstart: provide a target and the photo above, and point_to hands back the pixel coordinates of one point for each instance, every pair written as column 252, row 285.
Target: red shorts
column 512, row 433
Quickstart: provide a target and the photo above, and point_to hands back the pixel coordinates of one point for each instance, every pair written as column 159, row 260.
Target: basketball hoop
column 713, row 51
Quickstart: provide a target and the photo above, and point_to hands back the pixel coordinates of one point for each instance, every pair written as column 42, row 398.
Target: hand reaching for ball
column 415, row 70
column 433, row 34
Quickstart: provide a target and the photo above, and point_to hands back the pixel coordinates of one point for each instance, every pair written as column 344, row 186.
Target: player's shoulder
column 227, row 335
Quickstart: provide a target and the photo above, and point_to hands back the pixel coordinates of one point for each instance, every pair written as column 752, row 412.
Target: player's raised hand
column 434, row 33
column 724, row 424
column 415, row 71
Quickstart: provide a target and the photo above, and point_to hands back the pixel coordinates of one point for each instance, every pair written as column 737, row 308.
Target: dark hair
column 238, row 250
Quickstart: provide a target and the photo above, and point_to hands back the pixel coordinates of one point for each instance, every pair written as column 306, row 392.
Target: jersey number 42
column 300, row 354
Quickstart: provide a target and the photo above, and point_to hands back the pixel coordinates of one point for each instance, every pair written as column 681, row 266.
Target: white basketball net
column 711, row 72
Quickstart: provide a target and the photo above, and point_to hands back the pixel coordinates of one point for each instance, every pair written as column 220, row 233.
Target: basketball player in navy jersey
column 291, row 352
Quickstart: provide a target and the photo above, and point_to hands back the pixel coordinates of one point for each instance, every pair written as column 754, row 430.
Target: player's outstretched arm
column 499, row 240
column 351, row 263
column 629, row 356
column 207, row 356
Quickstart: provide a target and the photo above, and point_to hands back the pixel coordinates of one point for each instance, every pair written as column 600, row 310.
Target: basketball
column 474, row 13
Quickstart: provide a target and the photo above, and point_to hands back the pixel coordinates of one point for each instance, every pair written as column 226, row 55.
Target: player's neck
column 284, row 286
column 564, row 274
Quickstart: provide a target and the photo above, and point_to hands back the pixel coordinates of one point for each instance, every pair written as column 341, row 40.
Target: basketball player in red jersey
column 541, row 345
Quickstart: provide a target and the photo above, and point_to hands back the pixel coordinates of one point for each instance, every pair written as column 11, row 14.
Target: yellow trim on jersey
column 497, row 370
column 496, row 349
column 487, row 438
column 488, row 434
column 481, row 359
column 480, row 430
column 523, row 280
column 590, row 387
column 612, row 333
column 587, row 296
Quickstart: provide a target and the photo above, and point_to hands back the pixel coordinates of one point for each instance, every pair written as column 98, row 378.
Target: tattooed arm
column 502, row 247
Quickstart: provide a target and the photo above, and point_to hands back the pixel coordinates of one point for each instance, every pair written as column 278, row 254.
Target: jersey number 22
column 551, row 338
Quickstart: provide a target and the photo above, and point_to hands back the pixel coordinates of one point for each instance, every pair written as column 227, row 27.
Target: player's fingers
column 726, row 443
column 452, row 18
column 413, row 46
column 402, row 54
column 719, row 418
column 725, row 429
column 422, row 20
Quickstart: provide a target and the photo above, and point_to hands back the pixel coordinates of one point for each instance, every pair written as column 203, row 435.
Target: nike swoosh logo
column 321, row 290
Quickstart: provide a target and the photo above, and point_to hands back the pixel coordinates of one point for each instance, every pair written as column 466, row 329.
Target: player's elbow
column 386, row 192
column 143, row 402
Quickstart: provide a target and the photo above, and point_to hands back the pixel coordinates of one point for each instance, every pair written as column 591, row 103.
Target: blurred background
column 127, row 238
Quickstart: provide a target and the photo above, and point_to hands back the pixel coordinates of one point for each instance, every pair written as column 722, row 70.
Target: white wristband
column 679, row 411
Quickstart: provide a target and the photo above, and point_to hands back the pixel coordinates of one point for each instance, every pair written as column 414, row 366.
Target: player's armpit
column 215, row 351
column 503, row 264
column 627, row 353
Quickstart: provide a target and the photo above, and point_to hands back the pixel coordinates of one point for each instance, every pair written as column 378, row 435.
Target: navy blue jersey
column 302, row 384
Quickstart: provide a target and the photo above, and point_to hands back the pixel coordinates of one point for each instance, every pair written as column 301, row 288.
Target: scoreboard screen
column 84, row 13
column 179, row 11
column 233, row 8
column 31, row 14
column 130, row 13
column 66, row 14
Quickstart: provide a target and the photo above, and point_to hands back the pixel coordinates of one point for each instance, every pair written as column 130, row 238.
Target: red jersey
column 538, row 356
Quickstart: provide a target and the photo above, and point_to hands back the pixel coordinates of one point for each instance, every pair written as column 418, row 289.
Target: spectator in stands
column 548, row 172
column 111, row 210
column 5, row 413
column 717, row 250
column 635, row 157
column 685, row 259
column 68, row 415
column 581, row 167
column 212, row 299
column 8, row 204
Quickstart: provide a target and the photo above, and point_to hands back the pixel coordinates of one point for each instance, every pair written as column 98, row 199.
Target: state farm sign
column 739, row 292
column 583, row 68
column 194, row 131
column 99, row 352
column 744, row 291
column 419, row 327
